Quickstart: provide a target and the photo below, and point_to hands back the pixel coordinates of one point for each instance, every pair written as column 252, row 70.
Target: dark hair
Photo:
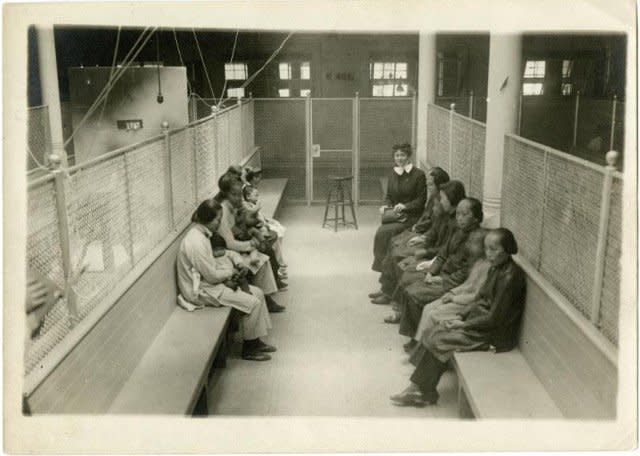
column 404, row 147
column 507, row 240
column 439, row 176
column 206, row 212
column 235, row 170
column 476, row 208
column 246, row 191
column 250, row 173
column 454, row 189
column 225, row 184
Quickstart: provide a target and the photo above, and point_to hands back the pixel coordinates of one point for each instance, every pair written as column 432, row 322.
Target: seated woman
column 230, row 197
column 491, row 323
column 449, row 269
column 400, row 246
column 404, row 201
column 458, row 299
column 208, row 280
column 405, row 273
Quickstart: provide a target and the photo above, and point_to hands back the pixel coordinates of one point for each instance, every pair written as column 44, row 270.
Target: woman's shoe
column 409, row 398
column 255, row 355
column 282, row 285
column 410, row 345
column 393, row 319
column 384, row 299
column 282, row 274
column 264, row 347
column 376, row 294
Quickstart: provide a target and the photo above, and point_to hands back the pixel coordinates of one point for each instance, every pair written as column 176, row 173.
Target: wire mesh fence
column 38, row 137
column 552, row 202
column 457, row 144
column 471, row 106
column 118, row 208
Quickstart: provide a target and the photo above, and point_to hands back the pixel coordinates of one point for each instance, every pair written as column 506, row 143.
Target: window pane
column 534, row 69
column 401, row 71
column 235, row 71
column 567, row 65
column 388, row 90
column 388, row 71
column 401, row 90
column 377, row 70
column 305, row 70
column 285, row 70
column 305, row 92
column 235, row 93
column 532, row 88
column 283, row 92
column 378, row 90
column 566, row 88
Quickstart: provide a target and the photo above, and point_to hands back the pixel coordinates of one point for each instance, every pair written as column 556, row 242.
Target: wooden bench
column 146, row 355
column 563, row 366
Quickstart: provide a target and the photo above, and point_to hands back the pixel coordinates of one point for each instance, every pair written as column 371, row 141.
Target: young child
column 272, row 226
column 246, row 229
column 459, row 298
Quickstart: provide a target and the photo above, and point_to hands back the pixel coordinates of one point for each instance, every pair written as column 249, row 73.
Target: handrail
column 442, row 108
column 469, row 119
column 39, row 181
column 560, row 154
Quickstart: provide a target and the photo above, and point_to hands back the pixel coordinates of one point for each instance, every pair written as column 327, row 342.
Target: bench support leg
column 202, row 407
column 464, row 409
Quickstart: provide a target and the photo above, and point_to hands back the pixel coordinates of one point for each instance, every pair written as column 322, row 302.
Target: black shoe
column 282, row 285
column 375, row 295
column 255, row 355
column 273, row 306
column 410, row 345
column 265, row 348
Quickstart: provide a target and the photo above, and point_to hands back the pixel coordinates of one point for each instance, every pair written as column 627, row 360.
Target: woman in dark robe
column 492, row 322
column 404, row 202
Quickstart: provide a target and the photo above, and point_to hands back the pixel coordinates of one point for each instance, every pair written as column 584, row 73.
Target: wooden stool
column 336, row 198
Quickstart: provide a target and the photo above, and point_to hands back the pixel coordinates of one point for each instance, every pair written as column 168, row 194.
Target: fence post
column 471, row 104
column 452, row 108
column 127, row 192
column 520, row 113
column 65, row 244
column 575, row 119
column 309, row 161
column 605, row 205
column 195, row 164
column 613, row 121
column 355, row 190
column 414, row 120
column 168, row 188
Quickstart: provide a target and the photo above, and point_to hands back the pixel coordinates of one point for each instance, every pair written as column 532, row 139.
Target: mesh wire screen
column 147, row 198
column 38, row 136
column 100, row 236
column 206, row 176
column 182, row 174
column 383, row 123
column 439, row 125
column 247, row 128
column 523, row 186
column 431, row 138
column 222, row 137
column 610, row 298
column 236, row 153
column 44, row 255
column 476, row 181
column 280, row 133
column 332, row 128
column 461, row 152
column 570, row 229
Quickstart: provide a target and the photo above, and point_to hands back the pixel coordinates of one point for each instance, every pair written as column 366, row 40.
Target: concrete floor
column 335, row 355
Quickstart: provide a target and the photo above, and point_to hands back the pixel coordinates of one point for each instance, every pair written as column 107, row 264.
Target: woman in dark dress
column 404, row 201
column 492, row 322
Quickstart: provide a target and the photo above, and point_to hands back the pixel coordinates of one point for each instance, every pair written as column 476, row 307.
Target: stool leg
column 353, row 211
column 344, row 221
column 326, row 209
column 335, row 206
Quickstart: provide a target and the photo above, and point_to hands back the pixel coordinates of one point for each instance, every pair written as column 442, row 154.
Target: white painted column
column 49, row 87
column 505, row 79
column 426, row 89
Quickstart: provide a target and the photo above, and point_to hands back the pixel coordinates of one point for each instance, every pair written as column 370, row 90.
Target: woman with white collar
column 404, row 201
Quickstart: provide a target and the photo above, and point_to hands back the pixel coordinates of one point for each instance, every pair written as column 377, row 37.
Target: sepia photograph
column 281, row 226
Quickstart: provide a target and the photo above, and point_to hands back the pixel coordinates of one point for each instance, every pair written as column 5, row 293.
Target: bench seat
column 271, row 191
column 173, row 371
column 501, row 385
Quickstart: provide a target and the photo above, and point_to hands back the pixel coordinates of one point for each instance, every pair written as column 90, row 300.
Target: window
column 285, row 70
column 532, row 88
column 534, row 69
column 235, row 71
column 533, row 79
column 305, row 70
column 305, row 92
column 236, row 93
column 567, row 87
column 283, row 92
column 389, row 79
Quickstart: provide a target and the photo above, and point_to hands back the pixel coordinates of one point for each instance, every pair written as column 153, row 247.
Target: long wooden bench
column 146, row 355
column 563, row 366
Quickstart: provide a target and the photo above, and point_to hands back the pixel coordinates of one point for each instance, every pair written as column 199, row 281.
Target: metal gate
column 309, row 139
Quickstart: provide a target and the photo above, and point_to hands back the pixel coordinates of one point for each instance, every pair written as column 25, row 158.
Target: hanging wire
column 111, row 83
column 253, row 76
column 104, row 104
column 159, row 98
column 233, row 52
column 206, row 72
